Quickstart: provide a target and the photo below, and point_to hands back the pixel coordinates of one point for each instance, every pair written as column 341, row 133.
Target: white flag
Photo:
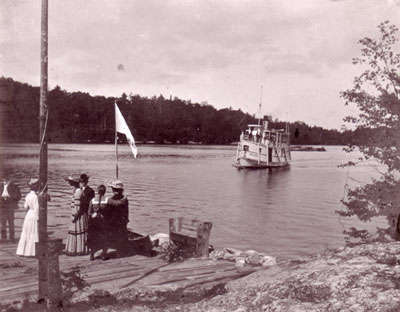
column 122, row 127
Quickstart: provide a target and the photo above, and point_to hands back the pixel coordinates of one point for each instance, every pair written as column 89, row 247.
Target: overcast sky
column 218, row 51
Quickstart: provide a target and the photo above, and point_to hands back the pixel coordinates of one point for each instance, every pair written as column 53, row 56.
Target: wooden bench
column 192, row 236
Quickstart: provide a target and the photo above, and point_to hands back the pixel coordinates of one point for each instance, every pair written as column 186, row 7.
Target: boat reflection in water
column 260, row 147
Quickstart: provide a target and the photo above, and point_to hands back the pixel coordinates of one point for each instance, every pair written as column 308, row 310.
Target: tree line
column 78, row 117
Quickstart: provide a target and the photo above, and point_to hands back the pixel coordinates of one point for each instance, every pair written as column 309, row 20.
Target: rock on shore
column 362, row 278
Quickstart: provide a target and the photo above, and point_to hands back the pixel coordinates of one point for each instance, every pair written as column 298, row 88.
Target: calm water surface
column 286, row 212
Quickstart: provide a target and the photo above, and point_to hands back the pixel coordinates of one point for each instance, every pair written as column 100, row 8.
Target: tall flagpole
column 259, row 106
column 116, row 141
column 47, row 250
column 43, row 248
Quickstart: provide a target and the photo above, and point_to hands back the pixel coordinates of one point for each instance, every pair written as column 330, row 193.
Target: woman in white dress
column 29, row 234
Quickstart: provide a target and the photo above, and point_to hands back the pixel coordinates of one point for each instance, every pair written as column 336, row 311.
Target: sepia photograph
column 200, row 155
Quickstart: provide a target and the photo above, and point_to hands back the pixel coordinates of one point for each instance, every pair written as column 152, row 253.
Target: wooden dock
column 19, row 280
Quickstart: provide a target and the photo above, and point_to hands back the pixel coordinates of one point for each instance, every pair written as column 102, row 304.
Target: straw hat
column 33, row 182
column 116, row 184
column 71, row 179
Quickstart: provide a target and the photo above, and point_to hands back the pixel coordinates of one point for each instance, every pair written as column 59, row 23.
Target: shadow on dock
column 190, row 280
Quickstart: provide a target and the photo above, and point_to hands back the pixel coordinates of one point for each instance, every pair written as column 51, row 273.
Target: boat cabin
column 261, row 134
column 253, row 132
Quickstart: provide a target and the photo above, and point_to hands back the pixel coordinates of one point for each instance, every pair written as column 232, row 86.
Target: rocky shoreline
column 360, row 278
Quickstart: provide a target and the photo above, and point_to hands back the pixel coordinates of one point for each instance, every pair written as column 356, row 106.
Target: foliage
column 175, row 253
column 78, row 117
column 101, row 297
column 376, row 93
column 73, row 282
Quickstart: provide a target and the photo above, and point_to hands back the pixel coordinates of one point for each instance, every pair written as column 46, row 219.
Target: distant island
column 77, row 117
column 301, row 148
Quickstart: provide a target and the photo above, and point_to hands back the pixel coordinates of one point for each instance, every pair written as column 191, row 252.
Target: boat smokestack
column 266, row 119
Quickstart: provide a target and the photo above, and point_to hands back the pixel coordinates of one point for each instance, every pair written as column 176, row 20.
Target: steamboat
column 261, row 147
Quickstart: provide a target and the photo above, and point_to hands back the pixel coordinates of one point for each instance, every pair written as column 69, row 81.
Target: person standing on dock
column 97, row 231
column 30, row 234
column 87, row 195
column 10, row 196
column 119, row 213
column 76, row 243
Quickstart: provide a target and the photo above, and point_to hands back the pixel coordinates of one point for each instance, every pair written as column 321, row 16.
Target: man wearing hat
column 87, row 195
column 119, row 218
column 10, row 196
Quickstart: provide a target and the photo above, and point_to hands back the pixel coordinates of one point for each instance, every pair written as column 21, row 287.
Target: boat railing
column 253, row 138
column 276, row 138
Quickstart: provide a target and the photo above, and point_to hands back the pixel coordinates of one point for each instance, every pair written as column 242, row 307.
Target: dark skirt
column 118, row 237
column 97, row 234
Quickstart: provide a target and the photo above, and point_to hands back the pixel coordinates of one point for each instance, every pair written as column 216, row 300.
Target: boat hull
column 245, row 164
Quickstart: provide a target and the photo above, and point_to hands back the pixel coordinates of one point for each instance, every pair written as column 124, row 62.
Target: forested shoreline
column 77, row 117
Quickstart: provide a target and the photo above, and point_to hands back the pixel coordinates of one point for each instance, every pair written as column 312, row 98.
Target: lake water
column 285, row 213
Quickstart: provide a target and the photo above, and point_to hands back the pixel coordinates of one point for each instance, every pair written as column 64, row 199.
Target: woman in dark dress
column 119, row 218
column 97, row 231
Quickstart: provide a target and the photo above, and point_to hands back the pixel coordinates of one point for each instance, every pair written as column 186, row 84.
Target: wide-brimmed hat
column 116, row 184
column 33, row 182
column 84, row 178
column 71, row 179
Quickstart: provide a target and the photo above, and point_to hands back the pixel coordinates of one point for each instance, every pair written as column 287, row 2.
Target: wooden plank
column 167, row 277
column 31, row 294
column 115, row 274
column 17, row 280
column 19, row 286
column 212, row 279
column 189, row 274
column 200, row 266
column 212, row 275
column 188, row 229
column 183, row 239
